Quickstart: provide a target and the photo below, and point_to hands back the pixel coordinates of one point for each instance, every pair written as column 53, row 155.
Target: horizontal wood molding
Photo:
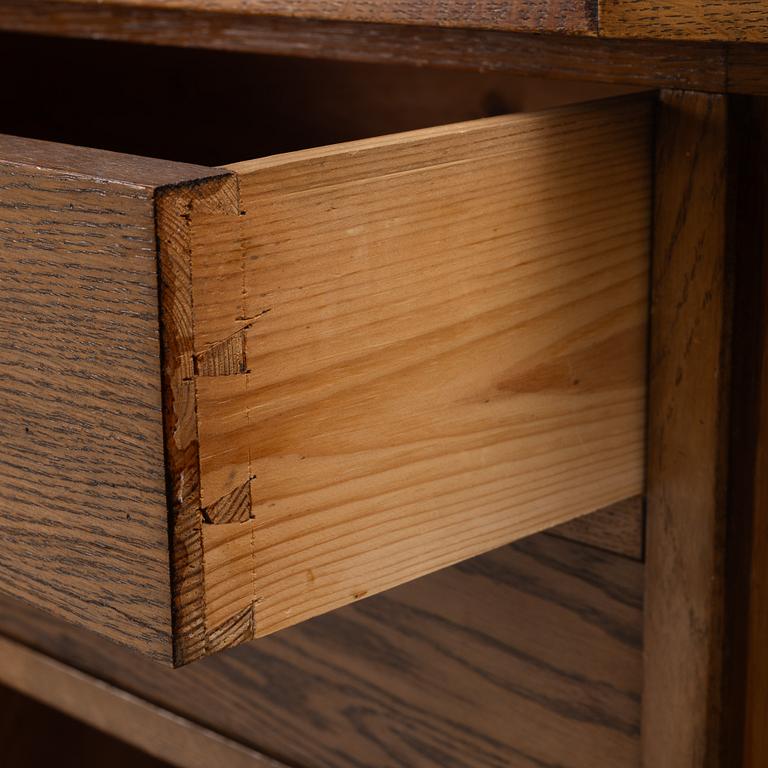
column 83, row 514
column 393, row 409
column 128, row 717
column 716, row 20
column 654, row 63
column 646, row 63
column 528, row 655
column 737, row 20
column 571, row 16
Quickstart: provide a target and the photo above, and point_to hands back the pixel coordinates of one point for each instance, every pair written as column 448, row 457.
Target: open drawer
column 367, row 361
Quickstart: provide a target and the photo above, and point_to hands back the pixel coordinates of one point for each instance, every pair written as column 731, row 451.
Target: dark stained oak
column 688, row 435
column 572, row 16
column 83, row 515
column 685, row 19
column 700, row 66
column 535, row 660
column 714, row 66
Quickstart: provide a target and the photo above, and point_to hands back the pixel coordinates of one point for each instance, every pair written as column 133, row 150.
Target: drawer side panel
column 444, row 349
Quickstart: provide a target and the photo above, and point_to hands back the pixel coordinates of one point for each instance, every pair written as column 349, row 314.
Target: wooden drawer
column 367, row 361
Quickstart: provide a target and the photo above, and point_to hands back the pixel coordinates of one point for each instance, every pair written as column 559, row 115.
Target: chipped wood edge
column 177, row 209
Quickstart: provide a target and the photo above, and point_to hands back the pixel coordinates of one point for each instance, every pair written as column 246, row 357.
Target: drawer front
column 378, row 358
column 83, row 513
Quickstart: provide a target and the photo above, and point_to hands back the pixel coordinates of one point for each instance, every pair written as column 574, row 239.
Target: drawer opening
column 212, row 107
column 301, row 369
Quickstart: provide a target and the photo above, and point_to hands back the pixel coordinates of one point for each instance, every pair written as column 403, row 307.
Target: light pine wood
column 737, row 20
column 573, row 16
column 530, row 655
column 688, row 437
column 83, row 516
column 443, row 352
column 618, row 528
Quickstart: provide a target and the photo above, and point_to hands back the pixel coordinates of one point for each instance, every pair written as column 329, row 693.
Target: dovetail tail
column 225, row 358
column 235, row 507
column 234, row 630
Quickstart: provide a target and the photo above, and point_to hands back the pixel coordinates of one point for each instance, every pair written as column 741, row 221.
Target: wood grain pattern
column 685, row 19
column 534, row 661
column 688, row 436
column 706, row 65
column 82, row 488
column 618, row 528
column 572, row 16
column 414, row 378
